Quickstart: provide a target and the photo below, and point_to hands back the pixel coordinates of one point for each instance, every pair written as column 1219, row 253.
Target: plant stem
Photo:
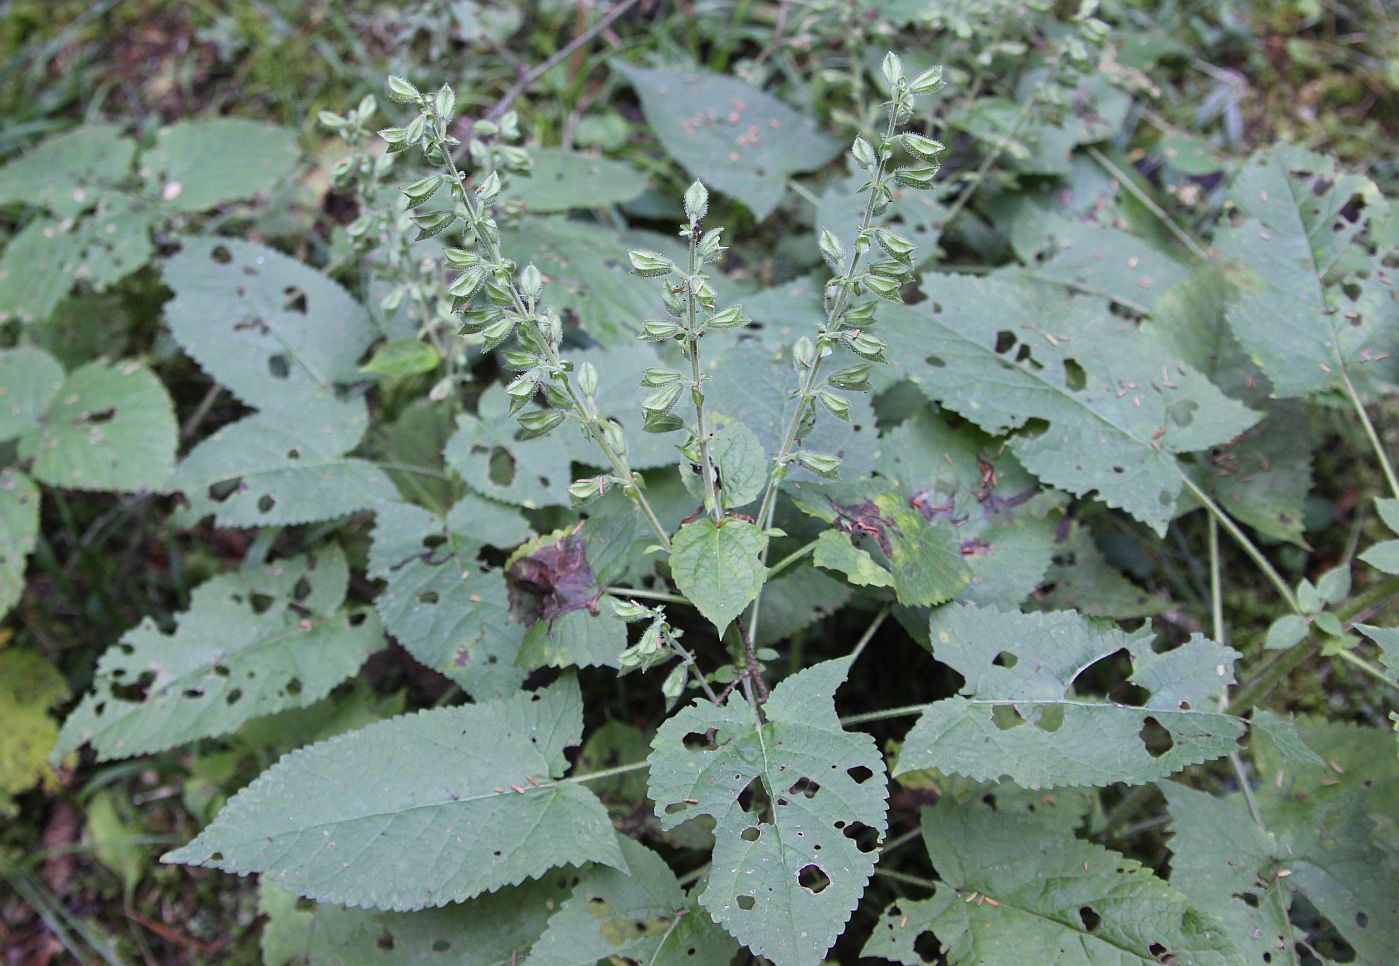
column 905, row 878
column 692, row 337
column 689, row 660
column 790, row 559
column 808, row 378
column 1385, row 464
column 1217, row 622
column 1245, row 544
column 590, row 421
column 979, row 175
column 1357, row 661
column 642, row 594
column 1149, row 204
column 868, row 635
column 605, row 773
column 900, row 712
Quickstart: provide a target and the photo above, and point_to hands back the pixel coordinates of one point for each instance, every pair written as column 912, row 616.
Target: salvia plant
column 678, row 473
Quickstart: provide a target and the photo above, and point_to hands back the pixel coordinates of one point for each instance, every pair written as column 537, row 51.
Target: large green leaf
column 252, row 643
column 1081, row 578
column 111, row 427
column 266, row 470
column 29, row 380
column 560, row 180
column 1014, row 890
column 1282, row 244
column 1100, row 406
column 446, row 608
column 444, row 786
column 1333, row 829
column 733, row 137
column 67, row 173
column 1020, row 715
column 196, row 165
column 29, row 688
column 485, row 453
column 578, row 638
column 787, row 875
column 489, row 930
column 719, row 567
column 1225, row 863
column 276, row 332
column 632, row 917
column 19, row 528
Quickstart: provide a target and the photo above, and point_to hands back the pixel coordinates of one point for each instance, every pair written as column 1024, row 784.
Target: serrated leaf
column 486, row 931
column 578, row 638
column 29, row 688
column 835, row 551
column 1014, row 890
column 1282, row 729
column 612, row 916
column 19, row 529
column 197, row 165
column 1282, row 244
column 111, row 427
column 741, row 463
column 252, row 642
column 1333, row 828
column 1000, row 517
column 265, row 470
column 274, row 331
column 1081, row 578
column 1005, row 353
column 1019, row 715
column 733, row 137
column 823, row 787
column 1225, row 863
column 485, row 453
column 312, row 825
column 560, row 180
column 68, row 173
column 719, row 568
column 29, row 380
column 446, row 608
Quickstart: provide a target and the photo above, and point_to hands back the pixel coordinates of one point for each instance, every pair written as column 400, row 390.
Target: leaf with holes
column 277, row 333
column 486, row 931
column 640, row 917
column 265, row 470
column 1225, row 863
column 1281, row 244
column 1081, row 578
column 251, row 643
column 19, row 530
column 453, row 783
column 786, row 874
column 68, row 173
column 111, row 427
column 733, row 137
column 485, row 453
column 719, row 567
column 441, row 603
column 1013, row 888
column 29, row 381
column 1332, row 829
column 1100, row 406
column 560, row 180
column 1019, row 713
column 197, row 165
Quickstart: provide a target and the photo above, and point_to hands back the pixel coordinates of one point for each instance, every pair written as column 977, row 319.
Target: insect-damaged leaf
column 111, row 427
column 733, row 137
column 554, row 592
column 1282, row 246
column 442, row 604
column 614, row 916
column 265, row 470
column 1099, row 405
column 68, row 173
column 1013, row 888
column 787, row 874
column 252, row 643
column 1020, row 715
column 277, row 333
column 453, row 783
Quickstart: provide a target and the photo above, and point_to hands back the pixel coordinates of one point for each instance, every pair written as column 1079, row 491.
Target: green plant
column 614, row 506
